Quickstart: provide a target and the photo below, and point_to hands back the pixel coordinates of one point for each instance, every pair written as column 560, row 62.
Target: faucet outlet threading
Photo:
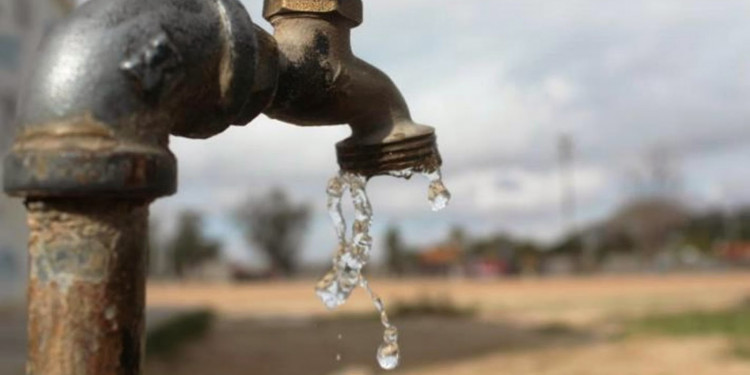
column 419, row 154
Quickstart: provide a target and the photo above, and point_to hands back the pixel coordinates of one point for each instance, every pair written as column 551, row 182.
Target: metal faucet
column 321, row 82
column 111, row 83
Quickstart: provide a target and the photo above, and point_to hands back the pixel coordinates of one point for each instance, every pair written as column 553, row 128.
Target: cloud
column 501, row 81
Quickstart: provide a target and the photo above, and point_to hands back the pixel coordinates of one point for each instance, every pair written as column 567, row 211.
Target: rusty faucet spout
column 322, row 82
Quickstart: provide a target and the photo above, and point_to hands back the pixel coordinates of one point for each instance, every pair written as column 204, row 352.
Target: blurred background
column 596, row 152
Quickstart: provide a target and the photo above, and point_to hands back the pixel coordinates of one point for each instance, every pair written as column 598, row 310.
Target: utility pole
column 565, row 154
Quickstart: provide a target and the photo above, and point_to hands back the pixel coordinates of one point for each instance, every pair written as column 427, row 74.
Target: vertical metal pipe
column 86, row 290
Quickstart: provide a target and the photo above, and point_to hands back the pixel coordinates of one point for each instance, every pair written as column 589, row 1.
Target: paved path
column 12, row 342
column 13, row 337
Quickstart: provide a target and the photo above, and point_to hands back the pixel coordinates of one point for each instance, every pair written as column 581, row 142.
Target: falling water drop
column 438, row 194
column 335, row 190
column 388, row 355
column 404, row 173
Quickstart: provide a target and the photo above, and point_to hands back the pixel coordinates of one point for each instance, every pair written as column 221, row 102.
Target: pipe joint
column 117, row 77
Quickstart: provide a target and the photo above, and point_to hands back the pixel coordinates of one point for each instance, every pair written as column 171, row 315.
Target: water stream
column 335, row 287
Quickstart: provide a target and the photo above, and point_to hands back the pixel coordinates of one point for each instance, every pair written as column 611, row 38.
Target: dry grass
column 525, row 327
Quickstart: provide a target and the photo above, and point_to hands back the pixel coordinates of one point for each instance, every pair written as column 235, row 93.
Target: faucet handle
column 350, row 10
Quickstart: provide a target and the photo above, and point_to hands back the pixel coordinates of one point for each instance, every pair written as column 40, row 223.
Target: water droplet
column 335, row 190
column 378, row 303
column 338, row 357
column 384, row 319
column 437, row 194
column 388, row 355
column 404, row 173
column 390, row 334
column 353, row 254
column 340, row 336
column 329, row 290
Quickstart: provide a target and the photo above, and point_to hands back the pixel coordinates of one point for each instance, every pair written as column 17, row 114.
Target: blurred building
column 22, row 25
column 735, row 253
column 441, row 260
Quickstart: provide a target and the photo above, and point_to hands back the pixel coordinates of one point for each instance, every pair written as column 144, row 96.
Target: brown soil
column 526, row 327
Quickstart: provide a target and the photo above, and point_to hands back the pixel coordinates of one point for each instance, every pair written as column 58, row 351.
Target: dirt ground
column 529, row 327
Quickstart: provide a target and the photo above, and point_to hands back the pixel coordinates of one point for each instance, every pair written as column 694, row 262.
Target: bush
column 167, row 338
column 431, row 306
column 734, row 324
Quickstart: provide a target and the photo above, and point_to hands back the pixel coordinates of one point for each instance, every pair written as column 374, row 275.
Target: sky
column 501, row 80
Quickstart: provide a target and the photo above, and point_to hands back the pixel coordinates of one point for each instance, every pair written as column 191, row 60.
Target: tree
column 394, row 251
column 650, row 224
column 158, row 262
column 277, row 227
column 457, row 236
column 189, row 248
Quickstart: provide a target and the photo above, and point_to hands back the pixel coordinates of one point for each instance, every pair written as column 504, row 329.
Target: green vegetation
column 167, row 338
column 276, row 226
column 555, row 329
column 425, row 306
column 741, row 347
column 190, row 248
column 733, row 323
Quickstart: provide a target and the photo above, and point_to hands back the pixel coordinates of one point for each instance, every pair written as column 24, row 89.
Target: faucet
column 111, row 83
column 321, row 82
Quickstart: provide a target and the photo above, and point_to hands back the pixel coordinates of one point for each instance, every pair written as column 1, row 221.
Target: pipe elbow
column 115, row 79
column 322, row 82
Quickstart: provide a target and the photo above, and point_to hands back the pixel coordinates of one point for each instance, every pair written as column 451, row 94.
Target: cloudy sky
column 501, row 80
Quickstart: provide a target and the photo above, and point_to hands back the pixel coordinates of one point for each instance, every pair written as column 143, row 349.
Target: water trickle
column 335, row 287
column 404, row 173
column 438, row 194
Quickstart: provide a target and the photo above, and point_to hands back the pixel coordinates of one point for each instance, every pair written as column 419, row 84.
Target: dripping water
column 335, row 287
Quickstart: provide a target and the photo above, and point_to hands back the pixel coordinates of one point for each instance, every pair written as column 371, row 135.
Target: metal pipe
column 113, row 80
column 86, row 286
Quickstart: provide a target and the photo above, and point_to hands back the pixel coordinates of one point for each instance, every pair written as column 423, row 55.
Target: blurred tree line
column 271, row 223
column 644, row 230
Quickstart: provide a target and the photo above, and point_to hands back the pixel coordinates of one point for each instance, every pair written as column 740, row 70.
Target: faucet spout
column 322, row 82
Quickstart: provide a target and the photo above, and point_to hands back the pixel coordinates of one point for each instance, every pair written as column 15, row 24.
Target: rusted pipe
column 112, row 82
column 116, row 78
column 86, row 286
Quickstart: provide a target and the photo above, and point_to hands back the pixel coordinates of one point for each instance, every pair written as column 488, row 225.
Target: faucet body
column 111, row 83
column 322, row 82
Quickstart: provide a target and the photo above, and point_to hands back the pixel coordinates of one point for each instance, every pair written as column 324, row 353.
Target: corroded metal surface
column 116, row 78
column 350, row 10
column 322, row 82
column 86, row 287
column 416, row 154
column 83, row 157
